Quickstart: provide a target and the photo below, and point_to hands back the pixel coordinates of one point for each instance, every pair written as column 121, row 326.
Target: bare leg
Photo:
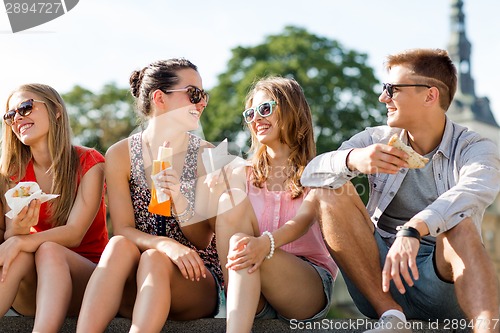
column 243, row 295
column 19, row 288
column 472, row 271
column 348, row 233
column 292, row 286
column 109, row 286
column 231, row 220
column 243, row 289
column 162, row 289
column 62, row 278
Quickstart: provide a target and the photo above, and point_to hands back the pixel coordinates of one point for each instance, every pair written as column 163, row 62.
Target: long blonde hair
column 65, row 161
column 294, row 121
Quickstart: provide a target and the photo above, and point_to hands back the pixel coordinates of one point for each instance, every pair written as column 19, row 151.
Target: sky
column 99, row 42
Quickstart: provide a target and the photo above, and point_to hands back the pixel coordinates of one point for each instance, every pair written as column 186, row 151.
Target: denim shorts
column 14, row 313
column 430, row 298
column 268, row 312
column 219, row 290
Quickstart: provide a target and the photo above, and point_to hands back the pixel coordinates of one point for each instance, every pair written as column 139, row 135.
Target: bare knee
column 339, row 198
column 341, row 206
column 236, row 237
column 121, row 244
column 454, row 238
column 155, row 261
column 119, row 248
column 22, row 267
column 466, row 229
column 50, row 253
column 451, row 256
column 231, row 200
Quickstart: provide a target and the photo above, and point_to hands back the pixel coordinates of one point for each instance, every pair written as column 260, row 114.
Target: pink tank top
column 273, row 209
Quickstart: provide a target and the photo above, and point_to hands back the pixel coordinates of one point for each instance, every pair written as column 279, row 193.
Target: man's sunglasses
column 265, row 110
column 389, row 88
column 24, row 109
column 195, row 94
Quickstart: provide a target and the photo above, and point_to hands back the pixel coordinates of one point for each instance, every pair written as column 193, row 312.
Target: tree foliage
column 337, row 82
column 100, row 119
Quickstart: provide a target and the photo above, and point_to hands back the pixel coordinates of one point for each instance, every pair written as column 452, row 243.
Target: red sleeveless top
column 96, row 238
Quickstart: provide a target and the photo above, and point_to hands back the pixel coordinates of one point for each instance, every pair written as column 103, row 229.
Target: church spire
column 466, row 105
column 459, row 49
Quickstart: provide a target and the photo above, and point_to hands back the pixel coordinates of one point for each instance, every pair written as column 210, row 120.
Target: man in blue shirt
column 421, row 229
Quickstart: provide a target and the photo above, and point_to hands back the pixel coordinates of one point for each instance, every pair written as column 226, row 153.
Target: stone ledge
column 10, row 324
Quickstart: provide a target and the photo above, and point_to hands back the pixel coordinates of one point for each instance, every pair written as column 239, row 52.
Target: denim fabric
column 430, row 298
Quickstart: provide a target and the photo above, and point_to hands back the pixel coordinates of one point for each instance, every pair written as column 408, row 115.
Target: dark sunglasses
column 195, row 94
column 389, row 88
column 265, row 110
column 24, row 109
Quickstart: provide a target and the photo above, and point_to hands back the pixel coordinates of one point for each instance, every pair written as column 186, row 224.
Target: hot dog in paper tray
column 21, row 195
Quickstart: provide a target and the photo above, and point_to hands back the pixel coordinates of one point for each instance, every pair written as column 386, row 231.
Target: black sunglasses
column 389, row 87
column 24, row 109
column 195, row 94
column 265, row 110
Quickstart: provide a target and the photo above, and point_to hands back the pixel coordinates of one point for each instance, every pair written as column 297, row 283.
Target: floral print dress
column 167, row 225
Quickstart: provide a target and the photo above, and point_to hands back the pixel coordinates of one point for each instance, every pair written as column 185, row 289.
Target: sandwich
column 23, row 191
column 414, row 160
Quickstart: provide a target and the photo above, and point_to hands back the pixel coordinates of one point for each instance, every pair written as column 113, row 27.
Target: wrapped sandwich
column 414, row 160
column 22, row 194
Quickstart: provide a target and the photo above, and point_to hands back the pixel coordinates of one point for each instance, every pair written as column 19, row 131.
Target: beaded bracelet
column 185, row 212
column 407, row 231
column 271, row 238
column 185, row 216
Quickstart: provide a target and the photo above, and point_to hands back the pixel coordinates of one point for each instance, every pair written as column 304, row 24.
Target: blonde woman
column 49, row 251
column 277, row 265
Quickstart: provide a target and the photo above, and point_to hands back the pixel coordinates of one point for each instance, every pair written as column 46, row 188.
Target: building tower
column 468, row 109
column 475, row 113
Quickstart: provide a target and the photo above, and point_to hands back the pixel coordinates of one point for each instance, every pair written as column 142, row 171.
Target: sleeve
column 330, row 169
column 477, row 186
column 88, row 158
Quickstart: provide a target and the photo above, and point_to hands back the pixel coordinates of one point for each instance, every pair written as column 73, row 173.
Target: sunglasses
column 195, row 94
column 265, row 110
column 389, row 88
column 24, row 109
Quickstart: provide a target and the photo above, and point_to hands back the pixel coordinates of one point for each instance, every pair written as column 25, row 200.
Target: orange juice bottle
column 160, row 202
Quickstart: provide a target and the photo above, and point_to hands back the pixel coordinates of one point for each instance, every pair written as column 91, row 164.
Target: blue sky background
column 103, row 41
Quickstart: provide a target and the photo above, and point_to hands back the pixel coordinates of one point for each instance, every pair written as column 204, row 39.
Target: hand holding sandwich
column 21, row 223
column 377, row 158
column 381, row 158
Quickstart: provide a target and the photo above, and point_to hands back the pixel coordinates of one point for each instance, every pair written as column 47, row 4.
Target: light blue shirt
column 466, row 172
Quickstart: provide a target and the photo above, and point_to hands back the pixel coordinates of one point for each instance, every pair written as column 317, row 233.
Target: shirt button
column 402, row 170
column 391, row 194
column 376, row 218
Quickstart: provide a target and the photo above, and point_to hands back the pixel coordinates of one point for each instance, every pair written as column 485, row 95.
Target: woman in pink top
column 276, row 262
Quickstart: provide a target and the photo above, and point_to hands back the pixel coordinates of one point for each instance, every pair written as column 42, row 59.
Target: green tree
column 100, row 119
column 337, row 82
